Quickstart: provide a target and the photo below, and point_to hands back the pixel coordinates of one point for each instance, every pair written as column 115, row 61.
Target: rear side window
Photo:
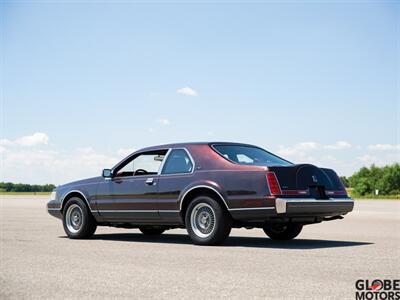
column 248, row 155
column 178, row 161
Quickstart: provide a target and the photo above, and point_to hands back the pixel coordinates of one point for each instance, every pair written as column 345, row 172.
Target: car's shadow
column 233, row 241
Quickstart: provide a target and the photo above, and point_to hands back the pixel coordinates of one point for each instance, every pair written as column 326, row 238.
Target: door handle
column 150, row 181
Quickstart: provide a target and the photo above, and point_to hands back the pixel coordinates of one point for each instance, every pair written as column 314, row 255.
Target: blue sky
column 83, row 84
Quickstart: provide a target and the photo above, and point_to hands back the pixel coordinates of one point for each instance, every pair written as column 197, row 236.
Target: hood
column 83, row 181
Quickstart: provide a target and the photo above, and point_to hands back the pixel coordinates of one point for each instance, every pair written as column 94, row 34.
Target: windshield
column 248, row 155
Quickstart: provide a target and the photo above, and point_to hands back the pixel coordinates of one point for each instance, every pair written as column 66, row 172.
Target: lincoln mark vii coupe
column 207, row 188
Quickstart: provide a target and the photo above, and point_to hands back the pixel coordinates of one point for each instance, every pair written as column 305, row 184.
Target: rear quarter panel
column 241, row 186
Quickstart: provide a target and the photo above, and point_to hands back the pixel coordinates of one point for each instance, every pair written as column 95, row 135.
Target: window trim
column 137, row 154
column 166, row 158
column 243, row 145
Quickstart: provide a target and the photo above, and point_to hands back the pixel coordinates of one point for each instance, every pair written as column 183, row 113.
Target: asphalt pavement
column 38, row 261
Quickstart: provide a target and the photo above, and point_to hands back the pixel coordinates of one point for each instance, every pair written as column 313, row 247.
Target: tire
column 207, row 223
column 283, row 232
column 78, row 222
column 151, row 230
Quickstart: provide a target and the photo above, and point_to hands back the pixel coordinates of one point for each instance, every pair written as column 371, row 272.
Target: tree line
column 23, row 187
column 367, row 180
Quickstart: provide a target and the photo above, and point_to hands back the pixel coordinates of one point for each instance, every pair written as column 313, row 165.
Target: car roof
column 187, row 144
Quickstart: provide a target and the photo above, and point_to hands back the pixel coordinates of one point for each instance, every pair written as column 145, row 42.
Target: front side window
column 178, row 161
column 147, row 163
column 249, row 155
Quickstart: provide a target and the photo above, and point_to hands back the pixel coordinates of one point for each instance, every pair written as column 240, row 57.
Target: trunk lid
column 306, row 180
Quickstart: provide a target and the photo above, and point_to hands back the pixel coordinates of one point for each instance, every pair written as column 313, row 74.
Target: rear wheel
column 282, row 232
column 151, row 230
column 207, row 222
column 78, row 222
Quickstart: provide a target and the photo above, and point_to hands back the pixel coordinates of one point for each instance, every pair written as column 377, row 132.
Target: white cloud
column 187, row 91
column 300, row 149
column 341, row 156
column 295, row 154
column 384, row 147
column 21, row 161
column 38, row 138
column 368, row 159
column 163, row 121
column 49, row 166
column 289, row 151
column 340, row 145
column 323, row 155
column 380, row 160
column 124, row 152
column 307, row 146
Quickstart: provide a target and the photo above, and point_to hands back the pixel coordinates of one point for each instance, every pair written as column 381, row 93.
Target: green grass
column 387, row 197
column 24, row 193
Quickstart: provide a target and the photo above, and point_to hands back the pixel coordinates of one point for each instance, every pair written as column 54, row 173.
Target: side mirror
column 107, row 173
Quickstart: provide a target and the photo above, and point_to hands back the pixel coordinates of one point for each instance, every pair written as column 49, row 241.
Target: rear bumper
column 294, row 209
column 313, row 207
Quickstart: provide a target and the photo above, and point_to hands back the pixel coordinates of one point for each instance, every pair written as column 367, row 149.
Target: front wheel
column 207, row 222
column 283, row 232
column 78, row 222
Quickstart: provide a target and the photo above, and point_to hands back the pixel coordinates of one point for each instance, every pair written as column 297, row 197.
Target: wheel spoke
column 202, row 220
column 74, row 218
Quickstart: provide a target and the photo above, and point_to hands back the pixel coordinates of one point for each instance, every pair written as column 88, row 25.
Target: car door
column 176, row 174
column 130, row 195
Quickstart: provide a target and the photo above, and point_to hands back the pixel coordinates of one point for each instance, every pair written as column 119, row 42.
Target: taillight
column 273, row 184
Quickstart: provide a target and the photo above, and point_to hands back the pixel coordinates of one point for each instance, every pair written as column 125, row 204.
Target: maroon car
column 207, row 188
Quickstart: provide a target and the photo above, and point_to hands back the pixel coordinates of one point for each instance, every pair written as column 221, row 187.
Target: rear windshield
column 248, row 155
